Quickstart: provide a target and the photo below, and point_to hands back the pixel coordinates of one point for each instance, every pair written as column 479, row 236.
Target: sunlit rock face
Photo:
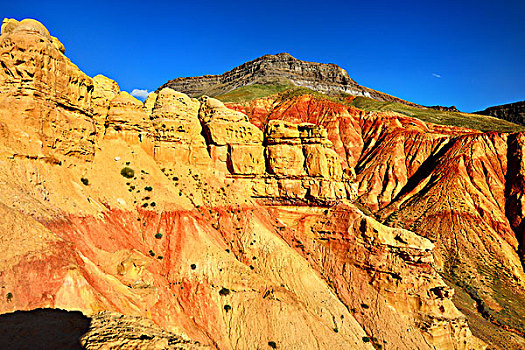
column 231, row 231
column 458, row 187
column 42, row 89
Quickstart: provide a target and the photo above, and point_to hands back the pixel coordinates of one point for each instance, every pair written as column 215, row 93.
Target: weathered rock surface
column 110, row 330
column 269, row 69
column 445, row 108
column 371, row 266
column 225, row 239
column 104, row 90
column 458, row 187
column 128, row 119
column 177, row 129
column 513, row 112
column 42, row 89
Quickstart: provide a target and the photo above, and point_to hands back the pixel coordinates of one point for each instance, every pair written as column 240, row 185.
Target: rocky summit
column 290, row 221
column 281, row 69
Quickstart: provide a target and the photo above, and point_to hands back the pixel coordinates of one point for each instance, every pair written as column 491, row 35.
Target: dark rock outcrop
column 513, row 112
column 281, row 68
column 445, row 108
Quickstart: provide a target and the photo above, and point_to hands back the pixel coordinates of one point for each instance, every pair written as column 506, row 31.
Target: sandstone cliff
column 233, row 228
column 458, row 187
column 278, row 69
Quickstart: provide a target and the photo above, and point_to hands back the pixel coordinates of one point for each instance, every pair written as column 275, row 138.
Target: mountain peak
column 278, row 69
column 281, row 67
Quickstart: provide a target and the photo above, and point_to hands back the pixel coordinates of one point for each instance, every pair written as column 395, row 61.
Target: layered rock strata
column 110, row 330
column 458, row 187
column 177, row 129
column 235, row 144
column 49, row 93
column 278, row 69
column 513, row 112
column 154, row 221
column 301, row 164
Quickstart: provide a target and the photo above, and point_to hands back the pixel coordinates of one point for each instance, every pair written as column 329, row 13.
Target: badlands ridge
column 184, row 223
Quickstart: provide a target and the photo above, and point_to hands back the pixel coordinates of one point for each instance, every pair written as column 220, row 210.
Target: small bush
column 227, row 307
column 9, row 297
column 193, row 266
column 153, row 204
column 144, row 205
column 366, row 339
column 224, row 291
column 151, row 253
column 127, row 172
column 272, row 344
column 84, row 181
column 148, row 188
column 365, row 306
column 175, row 178
column 158, row 235
column 160, row 257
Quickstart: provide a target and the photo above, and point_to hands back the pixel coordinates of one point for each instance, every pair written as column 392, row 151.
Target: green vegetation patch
column 224, row 291
column 252, row 92
column 127, row 172
column 429, row 115
column 286, row 90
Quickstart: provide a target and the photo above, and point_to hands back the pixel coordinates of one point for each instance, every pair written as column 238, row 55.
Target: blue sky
column 465, row 53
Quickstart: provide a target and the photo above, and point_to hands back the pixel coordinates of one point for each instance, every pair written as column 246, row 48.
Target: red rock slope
column 460, row 188
column 183, row 212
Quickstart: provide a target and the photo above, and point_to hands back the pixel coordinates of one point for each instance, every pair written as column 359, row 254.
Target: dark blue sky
column 465, row 53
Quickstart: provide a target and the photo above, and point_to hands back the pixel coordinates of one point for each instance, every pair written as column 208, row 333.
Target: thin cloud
column 140, row 94
column 436, row 75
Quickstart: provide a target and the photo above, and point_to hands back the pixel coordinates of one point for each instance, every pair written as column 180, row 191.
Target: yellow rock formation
column 238, row 239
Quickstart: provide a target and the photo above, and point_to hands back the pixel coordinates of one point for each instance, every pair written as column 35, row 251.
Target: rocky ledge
column 513, row 112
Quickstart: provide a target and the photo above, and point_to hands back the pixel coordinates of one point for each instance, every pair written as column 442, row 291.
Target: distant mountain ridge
column 512, row 112
column 279, row 69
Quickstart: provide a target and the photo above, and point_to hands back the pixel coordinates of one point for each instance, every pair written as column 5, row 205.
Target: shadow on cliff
column 514, row 184
column 47, row 329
